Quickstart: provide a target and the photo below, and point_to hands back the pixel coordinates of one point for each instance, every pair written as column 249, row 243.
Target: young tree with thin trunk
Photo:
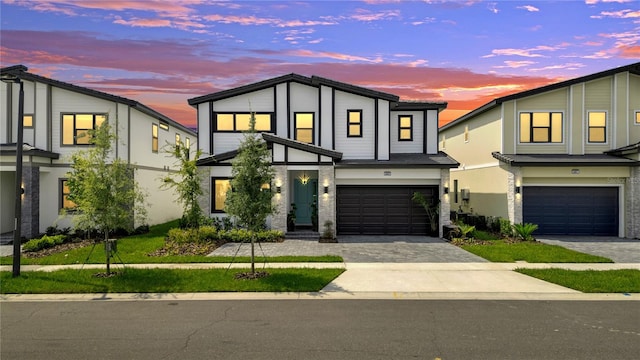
column 104, row 190
column 187, row 184
column 249, row 199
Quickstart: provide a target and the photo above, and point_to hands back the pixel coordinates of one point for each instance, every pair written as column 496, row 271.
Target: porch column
column 280, row 201
column 30, row 201
column 204, row 173
column 327, row 203
column 445, row 204
column 632, row 204
column 514, row 201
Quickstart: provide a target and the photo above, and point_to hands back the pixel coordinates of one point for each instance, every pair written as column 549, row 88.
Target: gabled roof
column 20, row 71
column 564, row 160
column 273, row 139
column 315, row 81
column 402, row 160
column 632, row 68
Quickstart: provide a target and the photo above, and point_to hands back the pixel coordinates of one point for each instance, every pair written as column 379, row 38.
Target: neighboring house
column 563, row 156
column 355, row 155
column 56, row 116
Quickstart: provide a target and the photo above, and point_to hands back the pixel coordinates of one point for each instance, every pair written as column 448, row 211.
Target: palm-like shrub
column 525, row 231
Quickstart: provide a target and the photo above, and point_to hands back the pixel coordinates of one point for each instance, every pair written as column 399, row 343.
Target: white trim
column 627, row 107
column 570, row 119
column 621, row 200
column 584, row 99
column 474, row 167
column 303, row 167
column 614, row 112
column 502, row 128
column 516, row 126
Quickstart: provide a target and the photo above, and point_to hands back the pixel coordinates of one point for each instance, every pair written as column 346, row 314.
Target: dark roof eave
column 406, row 106
column 551, row 162
column 335, row 155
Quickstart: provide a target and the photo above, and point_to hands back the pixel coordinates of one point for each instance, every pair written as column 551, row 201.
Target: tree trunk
column 253, row 264
column 107, row 248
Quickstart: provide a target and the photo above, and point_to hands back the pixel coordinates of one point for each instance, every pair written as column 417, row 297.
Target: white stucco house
column 55, row 115
column 565, row 156
column 355, row 154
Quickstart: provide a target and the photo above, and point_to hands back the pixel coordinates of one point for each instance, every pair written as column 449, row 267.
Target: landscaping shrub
column 525, row 231
column 210, row 234
column 505, row 227
column 44, row 242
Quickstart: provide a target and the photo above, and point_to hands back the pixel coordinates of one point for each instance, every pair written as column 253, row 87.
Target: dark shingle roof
column 21, row 72
column 420, row 105
column 629, row 149
column 563, row 160
column 632, row 68
column 400, row 160
column 27, row 150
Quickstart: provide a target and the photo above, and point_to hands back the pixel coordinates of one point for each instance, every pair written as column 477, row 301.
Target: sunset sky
column 162, row 52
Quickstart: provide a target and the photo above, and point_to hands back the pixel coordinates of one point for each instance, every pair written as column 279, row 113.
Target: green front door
column 304, row 196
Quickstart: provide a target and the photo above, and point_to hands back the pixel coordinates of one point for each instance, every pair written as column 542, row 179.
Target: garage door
column 571, row 210
column 382, row 210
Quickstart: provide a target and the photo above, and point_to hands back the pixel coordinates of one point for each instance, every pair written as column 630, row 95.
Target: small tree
column 249, row 200
column 431, row 208
column 187, row 184
column 105, row 193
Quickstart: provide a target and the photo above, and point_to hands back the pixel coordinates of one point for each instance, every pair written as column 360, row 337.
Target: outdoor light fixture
column 278, row 189
column 518, row 189
column 304, row 178
column 326, row 189
column 17, row 236
column 446, row 190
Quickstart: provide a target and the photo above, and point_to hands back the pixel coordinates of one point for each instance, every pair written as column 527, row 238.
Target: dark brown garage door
column 382, row 210
column 571, row 210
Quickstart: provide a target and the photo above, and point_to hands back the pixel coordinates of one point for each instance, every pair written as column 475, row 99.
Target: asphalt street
column 320, row 329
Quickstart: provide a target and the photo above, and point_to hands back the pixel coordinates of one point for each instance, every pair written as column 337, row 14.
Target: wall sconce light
column 518, row 190
column 304, row 178
column 278, row 189
column 326, row 189
column 446, row 190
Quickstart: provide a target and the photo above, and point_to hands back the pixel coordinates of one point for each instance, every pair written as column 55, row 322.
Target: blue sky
column 464, row 52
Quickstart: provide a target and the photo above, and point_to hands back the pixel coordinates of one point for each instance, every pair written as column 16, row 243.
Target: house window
column 187, row 143
column 354, row 123
column 220, row 187
column 178, row 143
column 164, row 126
column 637, row 117
column 241, row 121
column 27, row 121
column 405, row 128
column 444, row 142
column 304, row 127
column 75, row 127
column 154, row 138
column 541, row 127
column 65, row 203
column 466, row 134
column 597, row 127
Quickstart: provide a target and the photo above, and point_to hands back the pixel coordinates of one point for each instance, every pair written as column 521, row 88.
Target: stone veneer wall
column 514, row 202
column 445, row 204
column 31, row 201
column 280, row 201
column 327, row 202
column 632, row 204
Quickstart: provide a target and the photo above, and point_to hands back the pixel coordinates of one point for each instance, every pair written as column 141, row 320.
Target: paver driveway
column 617, row 249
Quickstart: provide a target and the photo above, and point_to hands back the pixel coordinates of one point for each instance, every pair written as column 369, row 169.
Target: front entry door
column 304, row 196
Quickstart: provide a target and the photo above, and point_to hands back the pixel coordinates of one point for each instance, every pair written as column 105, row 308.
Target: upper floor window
column 466, row 133
column 405, row 128
column 241, row 121
column 27, row 120
column 637, row 117
column 304, row 127
column 65, row 203
column 187, row 143
column 443, row 144
column 75, row 127
column 541, row 127
column 164, row 126
column 354, row 123
column 220, row 187
column 154, row 138
column 597, row 125
column 178, row 143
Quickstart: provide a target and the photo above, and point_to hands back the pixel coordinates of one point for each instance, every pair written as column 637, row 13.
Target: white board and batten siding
column 394, row 176
column 432, row 132
column 354, row 147
column 326, row 111
column 413, row 146
column 256, row 101
column 384, row 130
column 204, row 127
column 304, row 99
column 281, row 110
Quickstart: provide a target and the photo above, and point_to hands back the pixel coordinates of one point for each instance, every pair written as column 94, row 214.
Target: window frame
column 350, row 123
column 75, row 129
column 296, row 128
column 589, row 127
column 400, row 127
column 531, row 127
column 25, row 126
column 164, row 126
column 213, row 194
column 155, row 138
column 62, row 196
column 214, row 126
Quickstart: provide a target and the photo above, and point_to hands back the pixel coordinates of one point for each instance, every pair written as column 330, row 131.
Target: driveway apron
column 619, row 250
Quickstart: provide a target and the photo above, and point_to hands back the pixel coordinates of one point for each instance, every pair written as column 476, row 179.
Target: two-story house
column 57, row 116
column 351, row 155
column 563, row 156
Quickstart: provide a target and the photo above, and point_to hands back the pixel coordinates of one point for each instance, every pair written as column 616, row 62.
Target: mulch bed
column 57, row 249
column 251, row 276
column 182, row 249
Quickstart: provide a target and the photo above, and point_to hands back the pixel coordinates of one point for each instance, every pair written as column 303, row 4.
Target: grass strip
column 531, row 252
column 590, row 281
column 70, row 281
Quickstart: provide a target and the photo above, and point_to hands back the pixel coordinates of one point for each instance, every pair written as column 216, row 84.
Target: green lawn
column 532, row 252
column 590, row 281
column 164, row 280
column 134, row 250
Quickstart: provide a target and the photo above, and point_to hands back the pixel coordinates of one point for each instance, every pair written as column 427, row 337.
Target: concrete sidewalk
column 379, row 281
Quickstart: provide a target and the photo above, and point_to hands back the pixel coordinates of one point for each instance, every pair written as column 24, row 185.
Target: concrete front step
column 302, row 235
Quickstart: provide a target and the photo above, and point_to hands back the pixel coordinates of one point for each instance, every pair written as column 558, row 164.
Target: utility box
column 465, row 194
